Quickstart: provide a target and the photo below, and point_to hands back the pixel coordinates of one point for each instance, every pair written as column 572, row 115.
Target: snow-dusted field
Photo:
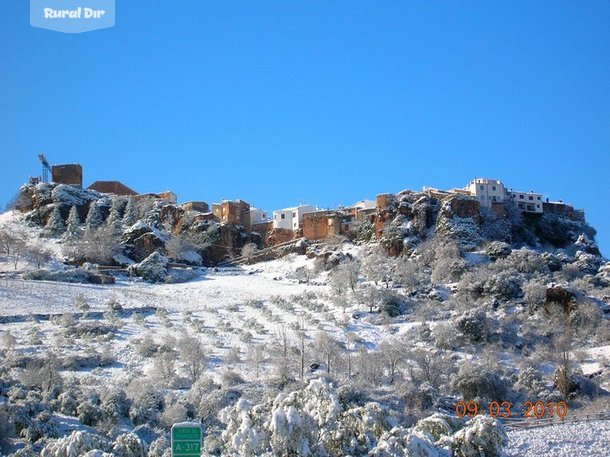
column 582, row 439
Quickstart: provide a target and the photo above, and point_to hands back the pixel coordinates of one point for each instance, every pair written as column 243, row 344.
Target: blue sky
column 321, row 102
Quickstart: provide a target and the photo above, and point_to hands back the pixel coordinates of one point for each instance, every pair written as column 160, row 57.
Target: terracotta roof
column 112, row 187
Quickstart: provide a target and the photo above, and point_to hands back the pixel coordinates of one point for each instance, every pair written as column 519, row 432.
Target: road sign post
column 186, row 439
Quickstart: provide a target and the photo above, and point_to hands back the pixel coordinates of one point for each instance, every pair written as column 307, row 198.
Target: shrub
column 89, row 413
column 128, row 445
column 473, row 324
column 498, row 250
column 475, row 382
column 115, row 404
column 483, row 436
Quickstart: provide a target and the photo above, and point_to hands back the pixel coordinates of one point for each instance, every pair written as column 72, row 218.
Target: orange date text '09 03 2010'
column 504, row 409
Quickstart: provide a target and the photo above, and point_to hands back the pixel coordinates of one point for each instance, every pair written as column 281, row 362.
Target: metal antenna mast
column 46, row 168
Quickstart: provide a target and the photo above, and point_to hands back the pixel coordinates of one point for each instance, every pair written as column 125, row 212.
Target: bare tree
column 98, row 245
column 38, row 254
column 193, row 356
column 328, row 348
column 249, row 251
column 178, row 245
column 408, row 273
column 256, row 355
column 301, row 336
column 164, row 367
column 345, row 275
column 377, row 267
column 15, row 246
column 428, row 366
column 393, row 353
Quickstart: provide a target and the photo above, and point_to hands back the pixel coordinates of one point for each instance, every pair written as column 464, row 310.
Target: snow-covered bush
column 42, row 426
column 128, row 445
column 483, row 436
column 114, row 404
column 400, row 442
column 498, row 250
column 160, row 448
column 76, row 444
column 534, row 293
column 505, row 284
column 67, row 402
column 473, row 324
column 530, row 383
column 475, row 382
column 89, row 413
column 145, row 407
column 307, row 422
column 391, row 303
column 439, row 425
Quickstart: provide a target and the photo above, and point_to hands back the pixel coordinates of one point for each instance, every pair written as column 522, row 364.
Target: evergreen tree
column 95, row 218
column 55, row 224
column 131, row 213
column 72, row 225
column 114, row 219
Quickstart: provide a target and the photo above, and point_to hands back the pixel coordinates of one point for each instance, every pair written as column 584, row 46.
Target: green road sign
column 186, row 439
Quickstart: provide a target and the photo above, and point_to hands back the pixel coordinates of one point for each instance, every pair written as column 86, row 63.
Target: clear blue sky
column 321, row 102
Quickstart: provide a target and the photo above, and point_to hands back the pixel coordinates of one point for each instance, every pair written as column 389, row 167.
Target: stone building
column 321, row 224
column 167, row 196
column 235, row 212
column 201, row 207
column 71, row 174
column 112, row 187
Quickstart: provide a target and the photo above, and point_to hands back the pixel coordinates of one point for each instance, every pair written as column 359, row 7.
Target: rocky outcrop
column 39, row 200
column 153, row 268
column 404, row 219
column 460, row 221
column 141, row 240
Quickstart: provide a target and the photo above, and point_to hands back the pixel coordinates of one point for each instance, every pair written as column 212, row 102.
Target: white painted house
column 489, row 191
column 530, row 202
column 291, row 218
column 258, row 216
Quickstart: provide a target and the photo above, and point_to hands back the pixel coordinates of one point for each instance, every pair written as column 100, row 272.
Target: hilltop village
column 310, row 222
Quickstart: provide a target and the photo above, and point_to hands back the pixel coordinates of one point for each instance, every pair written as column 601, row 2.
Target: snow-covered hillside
column 334, row 348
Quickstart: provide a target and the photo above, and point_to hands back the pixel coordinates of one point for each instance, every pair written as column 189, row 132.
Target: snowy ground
column 225, row 308
column 582, row 439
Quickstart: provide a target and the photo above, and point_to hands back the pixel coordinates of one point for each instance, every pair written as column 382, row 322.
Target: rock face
column 460, row 220
column 39, row 200
column 141, row 241
column 404, row 219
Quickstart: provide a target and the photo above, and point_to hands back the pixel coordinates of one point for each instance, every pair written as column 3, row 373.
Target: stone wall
column 71, row 174
column 321, row 224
